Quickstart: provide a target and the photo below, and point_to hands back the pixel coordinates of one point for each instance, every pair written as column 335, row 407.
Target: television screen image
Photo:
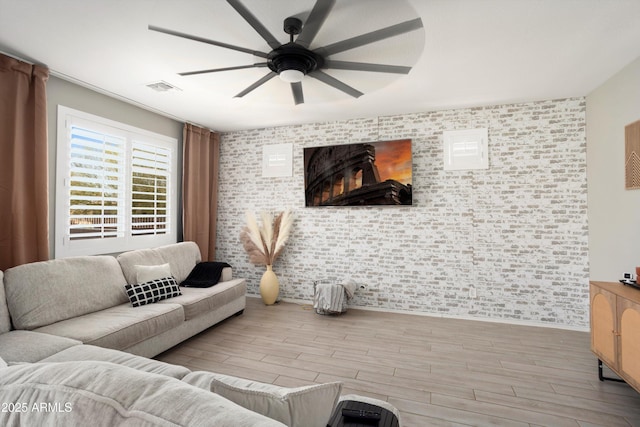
column 363, row 174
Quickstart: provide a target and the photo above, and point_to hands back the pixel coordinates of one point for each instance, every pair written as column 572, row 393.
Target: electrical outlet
column 472, row 292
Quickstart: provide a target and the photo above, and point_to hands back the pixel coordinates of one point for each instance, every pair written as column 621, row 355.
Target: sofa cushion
column 3, row 364
column 308, row 406
column 197, row 301
column 105, row 394
column 145, row 273
column 5, row 320
column 90, row 352
column 119, row 327
column 132, row 260
column 42, row 293
column 28, row 346
column 152, row 291
column 182, row 257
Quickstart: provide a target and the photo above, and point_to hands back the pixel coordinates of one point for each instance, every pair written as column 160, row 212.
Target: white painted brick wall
column 517, row 231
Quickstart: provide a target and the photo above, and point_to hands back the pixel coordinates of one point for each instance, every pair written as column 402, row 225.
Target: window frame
column 64, row 246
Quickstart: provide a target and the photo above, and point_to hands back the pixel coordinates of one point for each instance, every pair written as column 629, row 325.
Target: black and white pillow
column 152, row 291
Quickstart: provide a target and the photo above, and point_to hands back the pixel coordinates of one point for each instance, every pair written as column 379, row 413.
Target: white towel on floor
column 349, row 288
column 332, row 297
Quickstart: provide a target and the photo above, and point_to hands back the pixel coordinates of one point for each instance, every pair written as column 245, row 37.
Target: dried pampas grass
column 283, row 225
column 265, row 242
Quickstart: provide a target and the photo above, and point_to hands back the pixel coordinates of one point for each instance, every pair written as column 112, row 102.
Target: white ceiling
column 470, row 52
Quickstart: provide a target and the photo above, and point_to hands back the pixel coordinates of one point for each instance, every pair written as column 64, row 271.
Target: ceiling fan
column 295, row 59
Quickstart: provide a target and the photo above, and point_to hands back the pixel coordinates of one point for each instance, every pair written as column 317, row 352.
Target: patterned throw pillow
column 152, row 291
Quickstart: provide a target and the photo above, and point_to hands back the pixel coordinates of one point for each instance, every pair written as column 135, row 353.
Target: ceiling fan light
column 291, row 76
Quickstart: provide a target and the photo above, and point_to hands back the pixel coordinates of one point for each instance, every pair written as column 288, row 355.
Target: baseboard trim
column 447, row 316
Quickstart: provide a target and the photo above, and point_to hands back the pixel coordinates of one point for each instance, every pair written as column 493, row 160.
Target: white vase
column 269, row 287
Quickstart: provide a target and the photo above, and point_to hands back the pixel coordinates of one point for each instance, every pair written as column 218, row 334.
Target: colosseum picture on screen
column 371, row 173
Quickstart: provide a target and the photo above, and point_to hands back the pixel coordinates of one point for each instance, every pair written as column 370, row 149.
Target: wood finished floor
column 437, row 372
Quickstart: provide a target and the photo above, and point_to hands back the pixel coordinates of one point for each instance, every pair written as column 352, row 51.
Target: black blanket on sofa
column 204, row 274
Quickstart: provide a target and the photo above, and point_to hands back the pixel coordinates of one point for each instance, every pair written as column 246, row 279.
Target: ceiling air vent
column 163, row 86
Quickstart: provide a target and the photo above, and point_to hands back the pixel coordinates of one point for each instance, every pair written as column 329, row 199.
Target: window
column 326, row 191
column 338, row 185
column 356, row 179
column 116, row 186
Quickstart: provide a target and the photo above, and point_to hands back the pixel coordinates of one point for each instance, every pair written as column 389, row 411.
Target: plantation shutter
column 150, row 178
column 96, row 185
column 115, row 186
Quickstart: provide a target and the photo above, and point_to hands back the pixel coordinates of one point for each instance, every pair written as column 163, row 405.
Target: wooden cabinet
column 615, row 329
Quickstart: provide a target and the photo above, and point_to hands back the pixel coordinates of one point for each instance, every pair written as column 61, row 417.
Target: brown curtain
column 200, row 188
column 24, row 193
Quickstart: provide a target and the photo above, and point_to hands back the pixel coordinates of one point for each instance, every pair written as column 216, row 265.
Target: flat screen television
column 362, row 174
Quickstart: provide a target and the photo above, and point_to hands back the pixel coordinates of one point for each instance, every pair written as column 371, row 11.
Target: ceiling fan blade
column 296, row 90
column 208, row 41
column 372, row 37
column 362, row 66
column 253, row 21
column 332, row 81
column 215, row 70
column 315, row 20
column 257, row 84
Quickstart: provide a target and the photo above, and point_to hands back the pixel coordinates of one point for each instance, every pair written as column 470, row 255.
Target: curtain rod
column 106, row 92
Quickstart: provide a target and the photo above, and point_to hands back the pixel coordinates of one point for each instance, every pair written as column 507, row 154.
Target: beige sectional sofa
column 82, row 300
column 78, row 351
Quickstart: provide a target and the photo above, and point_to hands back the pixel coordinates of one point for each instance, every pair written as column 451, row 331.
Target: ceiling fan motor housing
column 292, row 25
column 292, row 56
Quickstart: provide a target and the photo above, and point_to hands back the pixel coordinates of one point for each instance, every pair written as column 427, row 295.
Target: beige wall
column 62, row 92
column 614, row 213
